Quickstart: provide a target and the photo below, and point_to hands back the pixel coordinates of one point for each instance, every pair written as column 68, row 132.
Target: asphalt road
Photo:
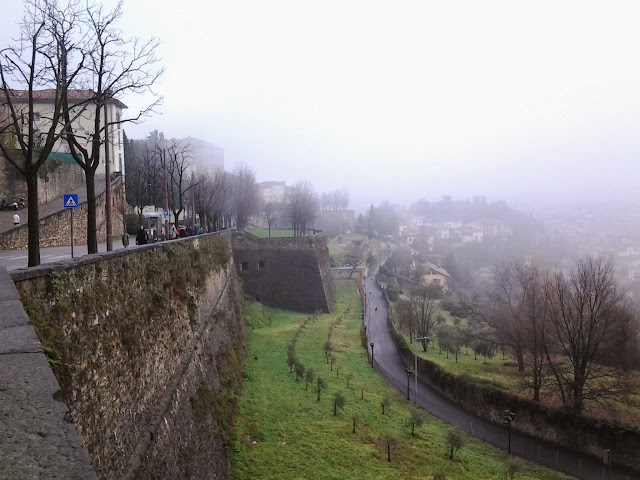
column 388, row 363
column 12, row 259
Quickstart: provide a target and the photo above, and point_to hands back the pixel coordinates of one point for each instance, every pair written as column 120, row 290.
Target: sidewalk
column 46, row 209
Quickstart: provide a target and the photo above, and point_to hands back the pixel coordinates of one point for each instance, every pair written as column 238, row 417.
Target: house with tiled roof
column 435, row 275
column 61, row 173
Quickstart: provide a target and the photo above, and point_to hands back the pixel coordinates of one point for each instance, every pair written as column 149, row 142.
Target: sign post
column 71, row 201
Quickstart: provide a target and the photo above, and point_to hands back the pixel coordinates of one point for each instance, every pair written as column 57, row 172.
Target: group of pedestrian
column 142, row 237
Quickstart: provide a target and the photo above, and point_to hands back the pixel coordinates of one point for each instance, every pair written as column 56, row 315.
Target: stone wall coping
column 43, row 270
column 36, row 441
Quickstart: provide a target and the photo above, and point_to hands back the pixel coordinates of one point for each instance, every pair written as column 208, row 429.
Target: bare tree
column 38, row 66
column 503, row 309
column 116, row 67
column 536, row 323
column 181, row 177
column 269, row 213
column 584, row 313
column 301, row 207
column 145, row 176
column 244, row 195
column 426, row 312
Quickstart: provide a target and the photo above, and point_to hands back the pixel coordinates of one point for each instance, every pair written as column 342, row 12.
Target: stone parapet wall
column 349, row 272
column 55, row 229
column 292, row 273
column 148, row 347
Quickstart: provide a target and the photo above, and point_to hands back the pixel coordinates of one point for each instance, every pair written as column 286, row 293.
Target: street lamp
column 371, row 354
column 415, row 366
column 509, row 417
column 408, row 375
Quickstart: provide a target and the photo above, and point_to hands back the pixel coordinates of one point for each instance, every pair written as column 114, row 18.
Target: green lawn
column 264, row 233
column 283, row 432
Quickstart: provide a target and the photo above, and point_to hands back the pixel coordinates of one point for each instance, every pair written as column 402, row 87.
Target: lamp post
column 371, row 354
column 415, row 366
column 408, row 375
column 509, row 417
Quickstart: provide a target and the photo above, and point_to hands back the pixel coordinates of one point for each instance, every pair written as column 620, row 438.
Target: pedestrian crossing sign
column 71, row 200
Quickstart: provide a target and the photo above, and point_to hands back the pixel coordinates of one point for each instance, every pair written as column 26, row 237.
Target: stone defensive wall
column 55, row 229
column 147, row 348
column 292, row 273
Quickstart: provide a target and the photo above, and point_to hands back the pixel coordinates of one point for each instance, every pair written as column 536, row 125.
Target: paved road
column 388, row 363
column 52, row 206
column 13, row 259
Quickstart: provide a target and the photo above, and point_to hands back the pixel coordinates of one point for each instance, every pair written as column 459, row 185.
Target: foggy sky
column 405, row 100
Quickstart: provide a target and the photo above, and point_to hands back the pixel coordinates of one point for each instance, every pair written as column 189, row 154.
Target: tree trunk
column 33, row 226
column 519, row 355
column 451, row 454
column 388, row 452
column 92, row 227
column 413, row 429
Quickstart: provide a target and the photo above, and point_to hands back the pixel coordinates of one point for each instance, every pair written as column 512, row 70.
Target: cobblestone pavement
column 55, row 205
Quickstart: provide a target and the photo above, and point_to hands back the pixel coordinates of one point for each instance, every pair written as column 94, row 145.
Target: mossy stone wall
column 291, row 272
column 148, row 348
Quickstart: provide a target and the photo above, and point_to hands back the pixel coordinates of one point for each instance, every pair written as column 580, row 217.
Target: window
column 36, row 117
column 261, row 264
column 245, row 266
column 118, row 119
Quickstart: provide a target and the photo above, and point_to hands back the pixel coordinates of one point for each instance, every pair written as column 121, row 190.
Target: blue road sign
column 71, row 200
column 166, row 214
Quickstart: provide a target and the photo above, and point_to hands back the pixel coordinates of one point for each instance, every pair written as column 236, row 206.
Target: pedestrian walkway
column 46, row 209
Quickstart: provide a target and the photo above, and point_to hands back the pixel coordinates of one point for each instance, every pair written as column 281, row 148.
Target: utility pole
column 107, row 172
column 166, row 194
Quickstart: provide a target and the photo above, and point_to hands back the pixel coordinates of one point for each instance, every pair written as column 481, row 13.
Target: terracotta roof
column 48, row 95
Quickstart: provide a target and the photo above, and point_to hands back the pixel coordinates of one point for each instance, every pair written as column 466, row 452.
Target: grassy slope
column 502, row 372
column 297, row 437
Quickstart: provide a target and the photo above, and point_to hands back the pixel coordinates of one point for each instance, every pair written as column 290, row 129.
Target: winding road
column 388, row 363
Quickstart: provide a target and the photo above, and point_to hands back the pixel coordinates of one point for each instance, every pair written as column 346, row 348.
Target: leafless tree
column 116, row 67
column 426, row 311
column 301, row 207
column 502, row 310
column 145, row 176
column 244, row 195
column 45, row 58
column 269, row 214
column 181, row 177
column 405, row 314
column 335, row 200
column 354, row 255
column 536, row 323
column 585, row 309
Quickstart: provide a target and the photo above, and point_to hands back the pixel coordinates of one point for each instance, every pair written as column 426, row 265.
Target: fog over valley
column 537, row 105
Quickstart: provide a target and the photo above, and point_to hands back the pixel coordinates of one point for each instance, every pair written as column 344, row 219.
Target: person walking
column 141, row 236
column 16, row 219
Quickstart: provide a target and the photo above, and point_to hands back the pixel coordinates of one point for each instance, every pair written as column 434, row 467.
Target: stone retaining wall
column 148, row 348
column 292, row 272
column 55, row 229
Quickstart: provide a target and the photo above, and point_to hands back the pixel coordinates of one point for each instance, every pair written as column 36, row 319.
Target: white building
column 83, row 120
column 273, row 192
